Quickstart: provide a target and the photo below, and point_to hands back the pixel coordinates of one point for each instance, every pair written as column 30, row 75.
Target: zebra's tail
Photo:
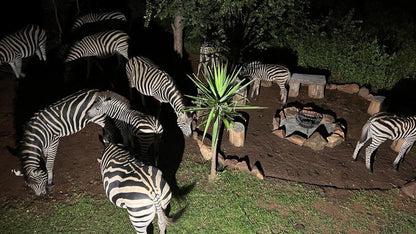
column 162, row 219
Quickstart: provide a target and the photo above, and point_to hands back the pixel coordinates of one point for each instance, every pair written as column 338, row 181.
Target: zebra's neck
column 176, row 101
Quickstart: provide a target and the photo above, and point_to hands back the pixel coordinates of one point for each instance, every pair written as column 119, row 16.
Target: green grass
column 235, row 203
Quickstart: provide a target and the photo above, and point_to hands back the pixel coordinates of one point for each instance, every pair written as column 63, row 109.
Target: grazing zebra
column 267, row 72
column 208, row 55
column 42, row 132
column 22, row 44
column 100, row 44
column 97, row 17
column 132, row 185
column 381, row 127
column 150, row 80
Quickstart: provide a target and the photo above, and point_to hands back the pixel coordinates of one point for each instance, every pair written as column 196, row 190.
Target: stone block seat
column 316, row 85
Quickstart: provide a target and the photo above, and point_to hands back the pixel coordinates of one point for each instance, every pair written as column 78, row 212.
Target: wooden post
column 237, row 134
column 294, row 89
column 375, row 105
column 316, row 91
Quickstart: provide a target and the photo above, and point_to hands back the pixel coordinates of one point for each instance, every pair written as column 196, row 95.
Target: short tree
column 216, row 103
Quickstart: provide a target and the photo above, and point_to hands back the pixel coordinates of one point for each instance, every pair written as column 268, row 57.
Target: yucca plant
column 215, row 101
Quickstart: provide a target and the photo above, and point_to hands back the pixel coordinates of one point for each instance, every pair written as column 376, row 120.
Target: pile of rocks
column 313, row 140
column 376, row 101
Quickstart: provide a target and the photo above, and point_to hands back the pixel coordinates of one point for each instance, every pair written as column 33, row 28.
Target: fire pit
column 306, row 120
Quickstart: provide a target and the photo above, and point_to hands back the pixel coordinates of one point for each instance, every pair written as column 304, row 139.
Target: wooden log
column 375, row 105
column 294, row 89
column 316, row 91
column 397, row 145
column 237, row 134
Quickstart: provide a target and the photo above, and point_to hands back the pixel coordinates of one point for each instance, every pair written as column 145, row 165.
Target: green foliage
column 350, row 55
column 235, row 26
column 216, row 100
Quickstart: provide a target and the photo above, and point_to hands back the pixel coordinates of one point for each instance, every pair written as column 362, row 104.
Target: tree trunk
column 57, row 22
column 178, row 35
column 213, row 175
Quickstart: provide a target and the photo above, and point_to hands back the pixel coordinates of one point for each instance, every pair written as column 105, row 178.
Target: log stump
column 237, row 134
column 375, row 105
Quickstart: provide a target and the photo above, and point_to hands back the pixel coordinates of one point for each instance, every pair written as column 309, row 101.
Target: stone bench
column 316, row 85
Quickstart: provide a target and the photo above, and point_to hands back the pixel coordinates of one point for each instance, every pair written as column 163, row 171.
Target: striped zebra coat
column 100, row 45
column 258, row 72
column 208, row 55
column 42, row 132
column 136, row 130
column 385, row 126
column 97, row 17
column 22, row 44
column 150, row 80
column 134, row 186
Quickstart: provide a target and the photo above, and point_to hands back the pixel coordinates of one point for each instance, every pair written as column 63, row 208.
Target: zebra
column 42, row 132
column 150, row 80
column 259, row 71
column 381, row 127
column 24, row 43
column 131, row 124
column 134, row 186
column 97, row 17
column 208, row 55
column 100, row 44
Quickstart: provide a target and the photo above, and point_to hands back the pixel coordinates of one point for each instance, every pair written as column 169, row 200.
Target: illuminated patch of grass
column 234, row 203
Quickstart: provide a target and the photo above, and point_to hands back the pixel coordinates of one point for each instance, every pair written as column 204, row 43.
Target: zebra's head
column 37, row 180
column 108, row 102
column 184, row 122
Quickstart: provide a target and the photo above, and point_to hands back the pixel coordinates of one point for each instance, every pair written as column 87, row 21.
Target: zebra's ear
column 99, row 160
column 102, row 139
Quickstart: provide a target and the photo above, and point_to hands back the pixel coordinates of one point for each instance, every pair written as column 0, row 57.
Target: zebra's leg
column 142, row 217
column 199, row 69
column 255, row 89
column 17, row 68
column 369, row 153
column 50, row 154
column 358, row 147
column 41, row 52
column 283, row 95
column 406, row 145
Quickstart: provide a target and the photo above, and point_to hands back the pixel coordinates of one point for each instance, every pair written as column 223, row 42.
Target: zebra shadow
column 171, row 150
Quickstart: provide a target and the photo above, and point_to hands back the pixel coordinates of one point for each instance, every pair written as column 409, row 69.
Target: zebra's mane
column 110, row 95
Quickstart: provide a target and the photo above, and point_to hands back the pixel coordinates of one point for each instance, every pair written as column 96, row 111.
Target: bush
column 348, row 54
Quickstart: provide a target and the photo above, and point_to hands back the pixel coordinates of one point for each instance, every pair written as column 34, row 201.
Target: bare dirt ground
column 332, row 171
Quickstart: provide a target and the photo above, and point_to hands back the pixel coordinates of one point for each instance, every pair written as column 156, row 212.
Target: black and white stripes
column 100, row 44
column 150, row 80
column 259, row 71
column 97, row 17
column 208, row 55
column 65, row 117
column 132, row 185
column 385, row 126
column 42, row 133
column 24, row 43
